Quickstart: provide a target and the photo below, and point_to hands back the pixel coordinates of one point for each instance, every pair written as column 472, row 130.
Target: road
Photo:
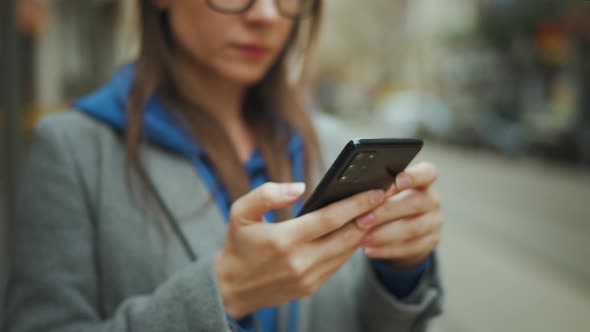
column 515, row 253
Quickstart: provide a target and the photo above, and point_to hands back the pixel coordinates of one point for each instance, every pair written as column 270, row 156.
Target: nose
column 264, row 10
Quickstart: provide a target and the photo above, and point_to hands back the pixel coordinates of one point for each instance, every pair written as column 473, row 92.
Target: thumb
column 268, row 196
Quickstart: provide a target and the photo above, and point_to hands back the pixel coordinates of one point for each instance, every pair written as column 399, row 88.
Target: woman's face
column 239, row 47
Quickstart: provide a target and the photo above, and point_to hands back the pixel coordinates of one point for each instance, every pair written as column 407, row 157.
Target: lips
column 254, row 51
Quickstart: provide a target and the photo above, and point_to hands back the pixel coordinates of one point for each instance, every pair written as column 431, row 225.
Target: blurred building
column 502, row 74
column 80, row 46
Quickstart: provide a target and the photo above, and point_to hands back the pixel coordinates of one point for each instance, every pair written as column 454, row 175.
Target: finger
column 404, row 230
column 418, row 247
column 334, row 265
column 392, row 190
column 269, row 196
column 322, row 272
column 404, row 205
column 323, row 221
column 420, row 175
column 339, row 241
column 322, row 251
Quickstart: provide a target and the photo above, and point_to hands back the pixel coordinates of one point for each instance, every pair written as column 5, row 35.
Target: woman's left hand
column 407, row 227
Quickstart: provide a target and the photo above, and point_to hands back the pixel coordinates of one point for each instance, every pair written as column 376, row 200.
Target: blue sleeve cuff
column 399, row 283
column 245, row 324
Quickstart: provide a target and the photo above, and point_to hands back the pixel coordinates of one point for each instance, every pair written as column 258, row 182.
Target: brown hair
column 272, row 100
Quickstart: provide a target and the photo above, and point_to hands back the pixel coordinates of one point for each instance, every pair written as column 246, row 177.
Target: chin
column 245, row 74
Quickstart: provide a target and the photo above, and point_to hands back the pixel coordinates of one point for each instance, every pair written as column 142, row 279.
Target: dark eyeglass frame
column 312, row 8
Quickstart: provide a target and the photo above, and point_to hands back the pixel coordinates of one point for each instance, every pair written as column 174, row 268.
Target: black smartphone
column 363, row 164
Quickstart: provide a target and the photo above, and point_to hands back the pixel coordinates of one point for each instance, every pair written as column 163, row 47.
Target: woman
column 149, row 207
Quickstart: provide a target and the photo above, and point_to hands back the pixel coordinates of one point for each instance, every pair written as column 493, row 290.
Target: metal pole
column 11, row 87
column 11, row 103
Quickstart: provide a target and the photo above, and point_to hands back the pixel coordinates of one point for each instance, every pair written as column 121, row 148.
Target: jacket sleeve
column 399, row 283
column 379, row 310
column 54, row 280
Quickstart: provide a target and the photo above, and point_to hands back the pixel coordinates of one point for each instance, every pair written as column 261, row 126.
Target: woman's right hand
column 265, row 265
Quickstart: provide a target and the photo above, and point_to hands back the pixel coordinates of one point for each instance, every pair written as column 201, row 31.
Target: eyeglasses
column 289, row 8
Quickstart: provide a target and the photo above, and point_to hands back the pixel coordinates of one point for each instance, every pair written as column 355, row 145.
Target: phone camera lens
column 360, row 157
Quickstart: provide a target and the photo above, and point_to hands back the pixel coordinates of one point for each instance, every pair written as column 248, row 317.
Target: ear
column 161, row 4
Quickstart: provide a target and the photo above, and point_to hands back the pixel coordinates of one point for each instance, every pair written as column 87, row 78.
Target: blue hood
column 108, row 104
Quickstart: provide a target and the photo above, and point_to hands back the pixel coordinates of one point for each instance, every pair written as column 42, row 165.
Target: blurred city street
column 514, row 253
column 498, row 89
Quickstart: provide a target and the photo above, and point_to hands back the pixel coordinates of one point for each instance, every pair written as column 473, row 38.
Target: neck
column 216, row 95
column 222, row 99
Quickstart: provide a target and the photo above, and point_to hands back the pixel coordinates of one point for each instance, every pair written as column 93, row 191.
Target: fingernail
column 294, row 189
column 403, row 181
column 376, row 197
column 366, row 220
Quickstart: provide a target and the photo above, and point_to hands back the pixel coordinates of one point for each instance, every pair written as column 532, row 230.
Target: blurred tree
column 32, row 17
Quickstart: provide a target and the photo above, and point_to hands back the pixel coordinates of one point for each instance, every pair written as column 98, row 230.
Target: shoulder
column 79, row 143
column 74, row 130
column 72, row 124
